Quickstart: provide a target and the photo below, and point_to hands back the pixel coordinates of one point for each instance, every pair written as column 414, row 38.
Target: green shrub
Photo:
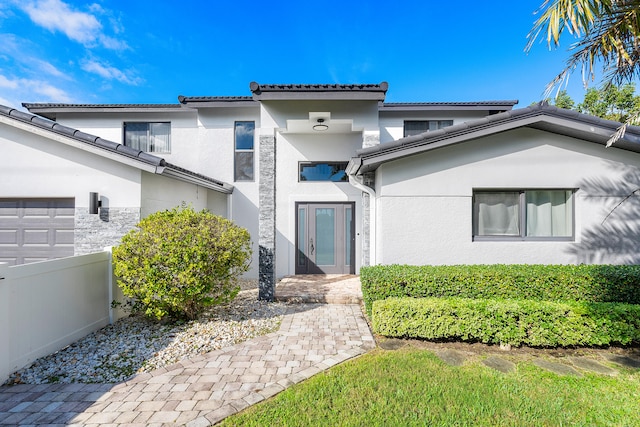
column 515, row 322
column 180, row 261
column 590, row 283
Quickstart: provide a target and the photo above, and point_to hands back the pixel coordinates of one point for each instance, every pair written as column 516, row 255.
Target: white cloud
column 82, row 27
column 15, row 90
column 8, row 84
column 109, row 72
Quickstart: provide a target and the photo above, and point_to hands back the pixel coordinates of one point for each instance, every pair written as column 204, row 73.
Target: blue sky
column 151, row 51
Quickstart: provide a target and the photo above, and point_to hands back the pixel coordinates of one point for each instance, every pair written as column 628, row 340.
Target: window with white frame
column 535, row 214
column 415, row 127
column 244, row 150
column 152, row 137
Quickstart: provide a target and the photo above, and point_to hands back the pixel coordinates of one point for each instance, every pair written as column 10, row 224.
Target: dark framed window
column 415, row 127
column 244, row 133
column 536, row 214
column 323, row 171
column 152, row 137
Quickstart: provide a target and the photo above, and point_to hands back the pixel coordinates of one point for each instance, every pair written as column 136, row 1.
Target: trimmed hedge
column 589, row 283
column 515, row 322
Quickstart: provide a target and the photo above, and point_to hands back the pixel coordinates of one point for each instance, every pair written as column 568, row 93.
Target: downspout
column 357, row 181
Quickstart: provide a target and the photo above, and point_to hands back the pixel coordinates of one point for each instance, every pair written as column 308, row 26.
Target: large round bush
column 178, row 262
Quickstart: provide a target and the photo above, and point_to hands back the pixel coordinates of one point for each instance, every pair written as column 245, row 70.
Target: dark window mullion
column 523, row 214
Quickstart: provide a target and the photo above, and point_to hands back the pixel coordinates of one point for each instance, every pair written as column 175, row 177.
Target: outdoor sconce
column 94, row 203
column 320, row 126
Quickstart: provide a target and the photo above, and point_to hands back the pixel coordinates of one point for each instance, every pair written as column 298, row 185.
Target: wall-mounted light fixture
column 320, row 126
column 94, row 203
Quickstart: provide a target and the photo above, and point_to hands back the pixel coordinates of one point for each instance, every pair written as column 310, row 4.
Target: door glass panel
column 325, row 236
column 302, row 216
column 347, row 235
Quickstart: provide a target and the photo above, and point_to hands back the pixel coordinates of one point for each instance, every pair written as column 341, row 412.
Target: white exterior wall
column 392, row 123
column 35, row 166
column 425, row 201
column 160, row 193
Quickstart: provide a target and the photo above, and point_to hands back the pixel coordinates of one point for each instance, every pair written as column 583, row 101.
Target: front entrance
column 325, row 238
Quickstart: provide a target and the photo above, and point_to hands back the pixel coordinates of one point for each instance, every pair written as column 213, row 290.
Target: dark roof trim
column 500, row 105
column 217, row 101
column 375, row 92
column 159, row 165
column 51, row 110
column 541, row 116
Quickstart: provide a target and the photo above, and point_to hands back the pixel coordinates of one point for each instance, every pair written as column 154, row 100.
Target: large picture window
column 523, row 214
column 148, row 137
column 244, row 150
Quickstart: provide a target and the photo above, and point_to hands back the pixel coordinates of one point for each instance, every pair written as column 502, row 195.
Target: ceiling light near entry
column 320, row 126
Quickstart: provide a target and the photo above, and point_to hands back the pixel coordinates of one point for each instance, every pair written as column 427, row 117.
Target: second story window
column 152, row 137
column 415, row 127
column 244, row 136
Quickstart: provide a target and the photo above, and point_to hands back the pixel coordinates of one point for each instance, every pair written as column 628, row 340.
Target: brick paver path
column 202, row 391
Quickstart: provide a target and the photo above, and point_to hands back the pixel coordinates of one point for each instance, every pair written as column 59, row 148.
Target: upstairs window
column 415, row 127
column 323, row 171
column 523, row 215
column 148, row 137
column 244, row 137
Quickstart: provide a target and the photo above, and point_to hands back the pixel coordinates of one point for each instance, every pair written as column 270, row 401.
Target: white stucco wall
column 160, row 193
column 392, row 122
column 425, row 201
column 35, row 166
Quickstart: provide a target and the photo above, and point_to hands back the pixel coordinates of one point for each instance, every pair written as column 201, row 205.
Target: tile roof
column 162, row 166
column 540, row 116
column 319, row 91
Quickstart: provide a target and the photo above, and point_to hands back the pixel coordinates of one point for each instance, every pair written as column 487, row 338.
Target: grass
column 412, row 387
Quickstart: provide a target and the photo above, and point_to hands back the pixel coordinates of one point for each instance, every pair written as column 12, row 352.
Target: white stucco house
column 328, row 178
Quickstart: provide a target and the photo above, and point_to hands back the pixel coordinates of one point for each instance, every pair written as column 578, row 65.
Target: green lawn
column 412, row 387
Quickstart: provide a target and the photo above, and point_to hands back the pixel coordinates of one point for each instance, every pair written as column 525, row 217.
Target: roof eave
column 549, row 119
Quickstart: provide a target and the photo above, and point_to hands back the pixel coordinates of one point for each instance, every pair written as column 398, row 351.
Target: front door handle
column 311, row 247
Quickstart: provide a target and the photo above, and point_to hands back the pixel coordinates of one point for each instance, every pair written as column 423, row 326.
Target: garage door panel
column 36, row 229
column 8, row 237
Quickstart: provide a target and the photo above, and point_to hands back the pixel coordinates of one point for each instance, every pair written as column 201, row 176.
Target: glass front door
column 325, row 238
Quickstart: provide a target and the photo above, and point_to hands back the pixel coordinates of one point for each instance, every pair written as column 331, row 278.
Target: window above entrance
column 323, row 171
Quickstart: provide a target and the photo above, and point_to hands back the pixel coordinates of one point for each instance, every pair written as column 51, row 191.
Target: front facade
column 328, row 178
column 285, row 150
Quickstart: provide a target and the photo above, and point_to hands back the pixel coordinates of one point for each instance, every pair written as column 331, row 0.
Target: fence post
column 110, row 282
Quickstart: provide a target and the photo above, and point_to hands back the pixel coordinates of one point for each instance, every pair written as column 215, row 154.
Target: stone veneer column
column 267, row 218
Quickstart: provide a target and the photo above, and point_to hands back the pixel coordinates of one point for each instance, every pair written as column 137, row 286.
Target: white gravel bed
column 134, row 344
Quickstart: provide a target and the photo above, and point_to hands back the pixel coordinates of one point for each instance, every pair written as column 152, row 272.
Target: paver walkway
column 204, row 390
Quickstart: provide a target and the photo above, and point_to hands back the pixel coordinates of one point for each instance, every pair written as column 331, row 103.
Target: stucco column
column 369, row 139
column 267, row 218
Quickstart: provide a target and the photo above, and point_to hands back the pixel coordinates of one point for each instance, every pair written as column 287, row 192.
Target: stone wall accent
column 267, row 218
column 95, row 232
column 370, row 139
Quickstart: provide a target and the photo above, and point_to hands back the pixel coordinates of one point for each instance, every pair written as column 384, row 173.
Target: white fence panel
column 45, row 306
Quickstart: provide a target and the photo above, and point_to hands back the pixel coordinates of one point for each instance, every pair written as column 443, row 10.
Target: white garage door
column 35, row 229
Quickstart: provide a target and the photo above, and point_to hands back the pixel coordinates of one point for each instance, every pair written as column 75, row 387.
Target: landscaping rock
column 391, row 344
column 626, row 361
column 499, row 364
column 451, row 357
column 558, row 368
column 592, row 366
